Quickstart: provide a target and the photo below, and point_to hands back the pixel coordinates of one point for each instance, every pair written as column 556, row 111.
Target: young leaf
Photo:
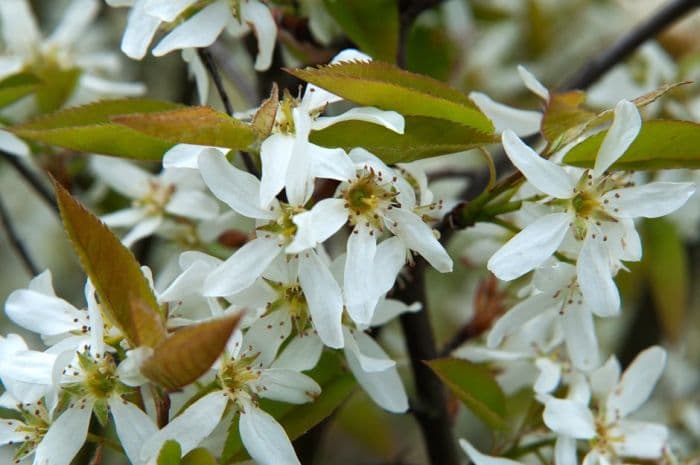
column 170, row 453
column 661, row 144
column 57, row 87
column 16, row 86
column 373, row 26
column 192, row 125
column 668, row 273
column 89, row 129
column 390, row 88
column 175, row 363
column 423, row 137
column 264, row 118
column 564, row 116
column 126, row 298
column 475, row 387
column 199, row 456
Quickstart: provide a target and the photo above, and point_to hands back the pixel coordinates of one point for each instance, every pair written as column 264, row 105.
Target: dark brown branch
column 213, row 70
column 16, row 242
column 32, row 179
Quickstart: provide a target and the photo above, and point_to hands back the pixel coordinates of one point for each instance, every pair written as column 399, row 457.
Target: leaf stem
column 16, row 242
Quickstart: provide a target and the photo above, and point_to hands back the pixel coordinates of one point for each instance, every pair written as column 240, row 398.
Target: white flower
column 482, row 459
column 173, row 193
column 612, row 436
column 596, row 207
column 26, row 49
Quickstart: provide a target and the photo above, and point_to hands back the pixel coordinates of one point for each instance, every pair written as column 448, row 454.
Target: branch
column 16, row 242
column 213, row 71
column 32, row 179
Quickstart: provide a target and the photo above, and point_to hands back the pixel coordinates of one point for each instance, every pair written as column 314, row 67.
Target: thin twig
column 209, row 63
column 32, row 179
column 16, row 242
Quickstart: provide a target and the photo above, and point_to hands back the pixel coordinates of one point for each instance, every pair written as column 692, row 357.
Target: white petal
column 186, row 155
column 242, row 268
column 388, row 261
column 168, row 10
column 299, row 180
column 521, row 122
column 389, row 119
column 275, row 154
column 287, row 386
column 595, row 278
column 13, row 144
column 133, row 426
column 126, row 217
column 517, row 316
column 580, row 336
column 201, row 76
column 384, row 387
column 530, row 247
column 189, row 283
column 20, row 32
column 301, row 354
column 569, row 418
column 28, row 366
column 532, row 83
column 201, row 30
column 545, row 175
column 388, row 309
column 565, row 451
column 108, row 87
column 359, row 270
column 265, row 337
column 259, row 18
column 330, row 163
column 482, row 459
column 264, row 438
column 620, row 136
column 66, row 435
column 605, row 378
column 368, row 363
column 636, row 383
column 140, row 30
column 318, row 224
column 640, row 439
column 240, row 190
column 76, row 19
column 418, row 236
column 143, row 229
column 122, row 176
column 43, row 314
column 192, row 204
column 205, row 414
column 323, row 297
column 649, row 201
column 548, row 378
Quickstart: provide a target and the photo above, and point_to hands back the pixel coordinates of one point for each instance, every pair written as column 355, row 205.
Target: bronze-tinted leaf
column 264, row 118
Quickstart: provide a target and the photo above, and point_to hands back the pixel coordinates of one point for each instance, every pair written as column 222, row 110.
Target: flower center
column 157, row 198
column 236, row 374
column 283, row 226
column 368, row 197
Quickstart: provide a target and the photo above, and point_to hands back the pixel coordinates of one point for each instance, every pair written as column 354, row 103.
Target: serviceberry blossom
column 595, row 207
column 174, row 194
column 612, row 437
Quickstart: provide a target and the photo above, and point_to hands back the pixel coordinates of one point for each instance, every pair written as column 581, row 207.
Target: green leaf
column 661, row 144
column 385, row 86
column 475, row 386
column 430, row 51
column 423, row 138
column 668, row 273
column 199, row 456
column 89, row 129
column 57, row 87
column 373, row 25
column 16, row 86
column 175, row 364
column 336, row 384
column 170, row 453
column 126, row 298
column 192, row 125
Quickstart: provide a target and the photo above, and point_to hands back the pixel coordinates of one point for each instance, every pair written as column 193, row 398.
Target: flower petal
column 264, row 337
column 649, row 201
column 569, row 418
column 43, row 314
column 620, row 136
column 545, row 175
column 389, row 119
column 605, row 378
column 287, row 386
column 482, row 459
column 20, row 32
column 242, row 268
column 521, row 122
column 532, row 83
column 318, row 224
column 192, row 203
column 260, row 19
column 640, row 439
column 122, row 176
column 359, row 271
column 301, row 354
column 418, row 236
column 636, row 383
column 324, row 298
column 76, row 19
column 168, row 10
column 530, row 247
column 140, row 30
column 13, row 144
column 330, row 163
column 275, row 154
column 200, row 30
column 368, row 363
column 133, row 427
column 264, row 438
column 549, row 376
column 580, row 337
column 143, row 229
column 565, row 451
column 66, row 435
column 595, row 277
column 520, row 314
